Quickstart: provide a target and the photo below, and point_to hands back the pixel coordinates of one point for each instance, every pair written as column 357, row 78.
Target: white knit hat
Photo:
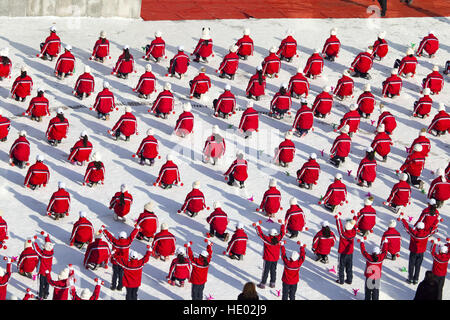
column 369, row 149
column 443, row 249
column 272, row 183
column 216, row 204
column 187, row 107
column 167, row 86
column 326, row 88
column 68, row 47
column 169, row 157
column 205, row 34
column 48, row 246
column 82, row 214
column 426, row 91
column 420, row 225
column 102, row 34
column 106, row 85
column 392, row 223
column 239, row 225
column 441, row 107
column 164, row 226
column 246, row 31
column 410, row 51
column 349, row 224
column 23, row 69
column 382, row 35
column 53, row 28
column 380, row 128
column 59, row 111
column 273, row 49
column 294, row 256
column 40, row 157
column 123, row 187
column 227, row 87
column 196, row 184
column 394, row 71
column 97, row 156
column 440, row 172
column 353, row 106
column 293, row 201
column 180, row 48
column 367, row 87
column 432, row 202
column 316, row 50
column 204, row 253
column 127, row 109
column 233, row 48
column 85, row 294
column 345, row 129
column 273, row 232
column 158, row 34
column 249, row 104
column 148, row 67
column 313, row 156
column 338, row 176
column 149, row 206
column 133, row 254
column 376, row 250
column 324, row 224
column 215, row 129
column 126, row 47
column 403, row 177
column 435, row 68
column 22, row 133
column 333, row 31
column 288, row 135
column 61, row 185
column 122, row 234
column 368, row 201
column 87, row 69
column 63, row 274
column 417, row 148
column 150, row 132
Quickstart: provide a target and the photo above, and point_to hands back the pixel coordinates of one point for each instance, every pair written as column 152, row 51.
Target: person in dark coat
column 428, row 289
column 248, row 292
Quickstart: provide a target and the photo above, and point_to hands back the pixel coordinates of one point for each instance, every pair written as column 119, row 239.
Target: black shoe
column 119, row 288
column 113, row 287
column 348, row 282
column 339, row 282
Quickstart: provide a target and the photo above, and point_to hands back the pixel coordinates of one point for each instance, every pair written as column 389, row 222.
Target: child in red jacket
column 291, row 271
column 294, row 219
column 147, row 223
column 347, row 234
column 62, row 285
column 394, row 240
column 440, row 264
column 82, row 232
column 322, row 242
column 218, row 222
column 237, row 245
column 367, row 170
column 45, row 263
column 180, row 269
column 271, row 202
column 28, row 260
column 200, row 266
column 4, row 278
column 195, row 201
column 121, row 203
column 308, row 174
column 366, row 218
column 372, row 272
column 237, row 171
column 163, row 244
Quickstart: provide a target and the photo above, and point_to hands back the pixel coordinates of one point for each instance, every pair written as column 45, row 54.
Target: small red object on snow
column 224, row 252
column 179, row 211
column 298, row 242
column 207, row 208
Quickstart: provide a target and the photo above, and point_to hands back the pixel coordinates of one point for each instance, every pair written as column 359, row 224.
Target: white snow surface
column 25, row 210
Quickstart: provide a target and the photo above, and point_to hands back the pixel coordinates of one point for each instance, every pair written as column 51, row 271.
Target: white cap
column 349, row 224
column 441, row 107
column 40, row 157
column 205, row 34
column 392, row 223
column 148, row 67
column 440, row 172
column 293, row 201
column 68, row 47
column 106, row 84
column 259, row 67
column 273, row 49
column 432, row 202
column 133, row 254
column 394, row 71
column 53, row 28
column 368, row 201
column 316, row 50
column 123, row 187
column 126, row 47
column 158, row 34
column 435, row 68
column 324, row 224
column 288, row 135
column 4, row 52
column 369, row 149
column 333, row 31
column 233, row 48
column 272, row 183
column 87, row 69
column 216, row 204
column 169, row 157
column 97, row 156
column 122, row 234
column 164, row 226
column 204, row 253
column 284, row 85
column 85, row 294
column 149, row 206
column 246, row 31
column 23, row 69
column 48, row 246
column 127, row 109
column 239, row 225
column 426, row 91
column 313, row 156
column 345, row 129
column 273, row 232
column 180, row 250
column 410, row 51
column 22, row 133
column 82, row 214
column 180, row 48
column 149, row 131
column 338, row 176
column 367, row 87
column 326, row 89
column 376, row 250
column 59, row 111
column 102, row 34
column 346, row 72
column 61, row 185
column 403, row 177
column 431, row 32
column 418, row 148
column 215, row 129
column 249, row 104
column 420, row 225
column 382, row 34
column 64, row 274
column 353, row 106
column 443, row 249
column 27, row 244
column 227, row 87
column 196, row 184
column 167, row 86
column 299, row 69
column 187, row 107
column 380, row 128
column 294, row 256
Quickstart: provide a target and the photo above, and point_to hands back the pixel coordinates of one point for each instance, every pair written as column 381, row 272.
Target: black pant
column 131, row 293
column 293, row 233
column 43, row 286
column 289, row 291
column 213, row 232
column 269, row 266
column 197, row 291
column 372, row 289
column 383, row 5
column 345, row 264
column 415, row 261
column 117, row 276
column 440, row 280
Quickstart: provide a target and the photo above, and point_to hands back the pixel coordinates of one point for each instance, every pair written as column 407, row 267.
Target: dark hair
column 103, row 40
column 326, row 231
column 85, row 140
column 180, row 258
column 274, row 240
column 283, row 90
column 260, row 77
column 122, row 199
column 374, row 257
column 5, row 60
column 98, row 165
column 433, row 210
column 61, row 117
column 204, row 260
column 249, row 290
column 40, row 93
column 127, row 54
column 371, row 155
column 23, row 74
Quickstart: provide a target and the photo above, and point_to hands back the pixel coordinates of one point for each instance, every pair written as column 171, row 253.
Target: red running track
column 260, row 9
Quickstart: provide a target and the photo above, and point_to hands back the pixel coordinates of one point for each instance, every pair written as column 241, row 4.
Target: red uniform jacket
column 38, row 174
column 38, row 107
column 309, row 172
column 164, row 243
column 123, row 65
column 82, row 231
column 336, row 193
column 229, row 64
column 132, row 269
column 52, row 45
column 238, row 169
column 148, row 148
column 281, row 102
column 304, row 118
column 157, row 48
column 204, row 48
column 346, row 239
column 323, row 103
column 59, row 202
column 237, row 243
column 45, row 257
column 299, row 84
column 85, row 84
column 5, row 69
column 431, row 222
column 441, row 122
column 434, row 81
column 288, row 47
column 121, row 209
column 400, row 194
column 392, row 85
column 57, row 129
column 249, row 120
column 423, row 106
column 322, row 244
column 22, row 86
column 294, row 219
column 314, row 65
column 292, row 268
column 168, row 174
column 373, row 266
column 199, row 274
column 352, row 118
column 146, row 84
column 104, row 102
column 93, row 174
column 344, row 87
column 4, row 281
column 180, row 270
column 341, row 146
column 366, row 218
column 120, row 246
column 419, row 238
column 147, row 223
column 94, row 295
column 218, row 220
column 440, row 262
column 254, row 87
column 101, row 48
column 97, row 252
column 126, row 125
column 200, row 84
column 3, row 230
column 439, row 189
column 28, row 260
column 164, row 103
column 194, row 202
column 382, row 144
column 414, row 164
column 394, row 240
column 79, row 152
column 60, row 287
column 271, row 201
column 363, row 62
column 367, row 170
column 5, row 125
column 179, row 63
column 286, row 151
column 245, row 46
column 185, row 122
column 271, row 64
column 65, row 63
column 271, row 251
column 214, row 146
column 388, row 120
column 424, row 142
column 408, row 65
column 331, row 46
column 380, row 48
column 430, row 44
column 226, row 103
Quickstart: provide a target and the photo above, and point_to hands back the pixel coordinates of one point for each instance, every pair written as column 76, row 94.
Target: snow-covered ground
column 25, row 210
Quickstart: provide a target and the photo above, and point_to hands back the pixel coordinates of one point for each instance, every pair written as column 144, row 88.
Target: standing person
column 22, row 86
column 428, row 289
column 180, row 269
column 121, row 203
column 200, row 266
column 97, row 253
column 218, row 222
column 372, row 272
column 82, row 232
column 85, row 84
column 81, row 150
column 163, row 244
column 156, row 49
column 19, row 154
column 121, row 247
column 59, row 204
column 58, row 128
column 248, row 292
column 237, row 171
column 417, row 247
column 237, row 245
column 394, row 240
column 291, row 271
column 347, row 234
column 101, row 48
column 104, row 102
column 294, row 220
column 38, row 107
column 147, row 223
column 245, row 45
column 51, row 47
column 61, row 286
column 4, row 278
column 322, row 242
column 440, row 264
column 272, row 244
column 125, row 64
column 132, row 271
column 28, row 260
column 45, row 264
column 308, row 174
